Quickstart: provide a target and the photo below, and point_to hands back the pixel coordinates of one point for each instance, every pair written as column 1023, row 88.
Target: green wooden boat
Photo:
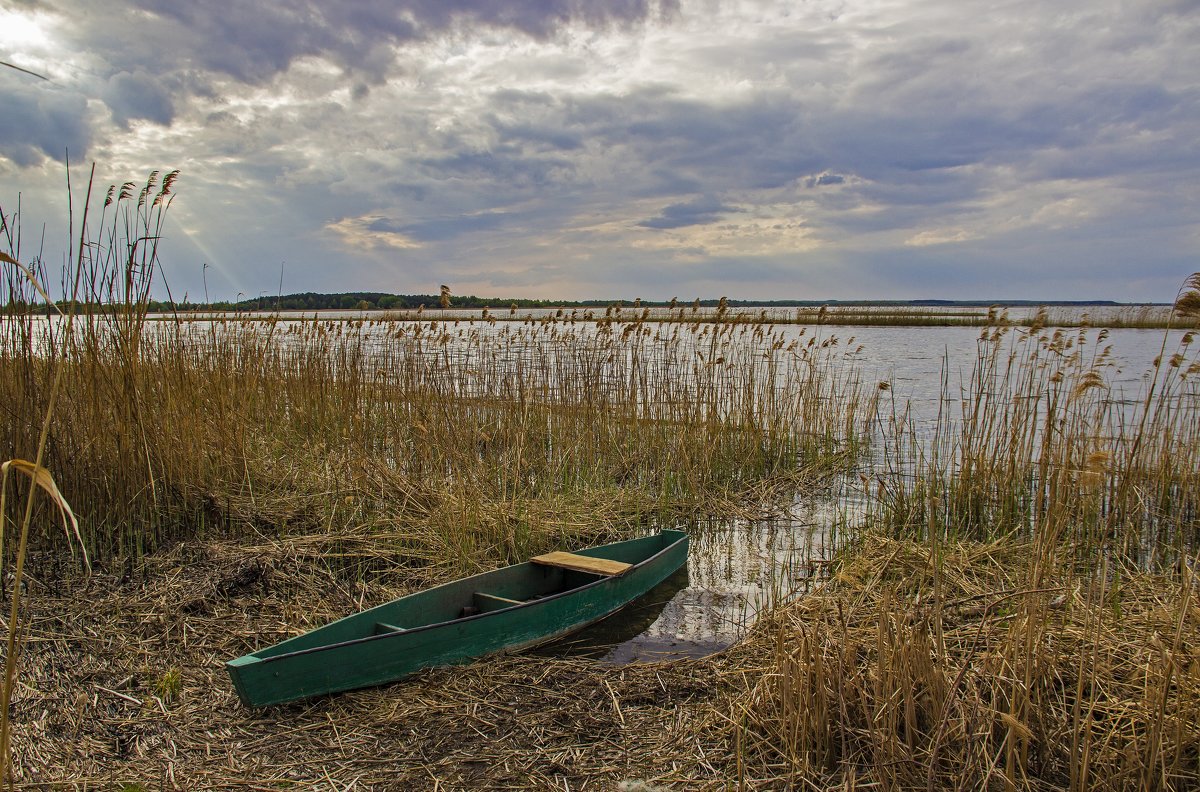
column 504, row 610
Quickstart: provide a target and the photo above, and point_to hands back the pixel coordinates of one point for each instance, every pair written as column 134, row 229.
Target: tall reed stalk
column 1018, row 610
column 1038, row 443
column 39, row 478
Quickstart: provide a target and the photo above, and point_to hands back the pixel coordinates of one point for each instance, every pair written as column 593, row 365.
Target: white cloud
column 363, row 232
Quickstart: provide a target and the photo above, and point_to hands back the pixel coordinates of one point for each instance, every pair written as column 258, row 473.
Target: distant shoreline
column 1143, row 316
column 379, row 301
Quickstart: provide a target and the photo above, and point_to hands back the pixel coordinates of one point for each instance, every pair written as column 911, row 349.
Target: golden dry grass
column 471, row 435
column 964, row 666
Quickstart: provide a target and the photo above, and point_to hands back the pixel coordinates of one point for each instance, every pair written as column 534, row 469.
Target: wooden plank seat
column 495, row 601
column 580, row 563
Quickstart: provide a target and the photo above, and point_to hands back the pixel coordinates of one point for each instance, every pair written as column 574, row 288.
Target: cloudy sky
column 846, row 149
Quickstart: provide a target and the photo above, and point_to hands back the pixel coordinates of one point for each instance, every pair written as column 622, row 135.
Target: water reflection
column 735, row 570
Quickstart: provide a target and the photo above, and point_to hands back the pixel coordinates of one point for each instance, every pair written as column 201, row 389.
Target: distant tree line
column 367, row 301
column 313, row 301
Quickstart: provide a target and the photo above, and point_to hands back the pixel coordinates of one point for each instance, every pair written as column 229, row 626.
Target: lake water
column 738, row 567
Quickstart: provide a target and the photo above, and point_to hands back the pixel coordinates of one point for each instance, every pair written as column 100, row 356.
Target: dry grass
column 966, row 666
column 494, row 441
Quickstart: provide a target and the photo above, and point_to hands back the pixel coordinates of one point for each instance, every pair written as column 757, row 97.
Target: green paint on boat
column 506, row 609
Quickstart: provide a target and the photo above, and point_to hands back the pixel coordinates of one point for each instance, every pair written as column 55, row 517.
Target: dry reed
column 493, row 441
column 1019, row 609
column 963, row 665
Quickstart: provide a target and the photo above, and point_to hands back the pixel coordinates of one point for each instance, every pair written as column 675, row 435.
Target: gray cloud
column 441, row 228
column 546, row 143
column 509, row 166
column 825, row 180
column 153, row 55
column 138, row 96
column 253, row 40
column 42, row 122
column 706, row 209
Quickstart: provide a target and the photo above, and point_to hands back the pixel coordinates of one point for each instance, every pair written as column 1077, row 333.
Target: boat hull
column 387, row 643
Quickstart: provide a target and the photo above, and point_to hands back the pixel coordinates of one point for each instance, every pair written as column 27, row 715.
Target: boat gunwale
column 250, row 659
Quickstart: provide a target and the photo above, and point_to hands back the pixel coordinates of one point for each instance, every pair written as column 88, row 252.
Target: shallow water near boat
column 735, row 570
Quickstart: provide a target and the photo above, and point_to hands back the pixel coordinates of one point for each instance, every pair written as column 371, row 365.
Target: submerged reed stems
column 1039, row 444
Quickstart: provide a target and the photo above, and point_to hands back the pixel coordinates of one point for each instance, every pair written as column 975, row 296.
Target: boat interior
column 542, row 577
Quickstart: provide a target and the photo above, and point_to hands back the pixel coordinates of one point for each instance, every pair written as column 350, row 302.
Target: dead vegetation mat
column 121, row 682
column 913, row 667
column 977, row 666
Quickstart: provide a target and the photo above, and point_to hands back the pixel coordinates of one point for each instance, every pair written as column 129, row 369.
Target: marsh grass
column 1018, row 609
column 1037, row 443
column 469, row 444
